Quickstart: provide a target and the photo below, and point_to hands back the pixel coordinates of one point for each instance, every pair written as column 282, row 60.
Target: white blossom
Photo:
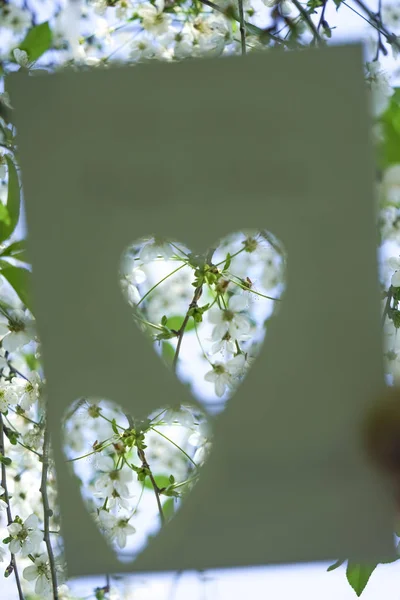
column 112, row 478
column 5, row 99
column 64, row 593
column 230, row 320
column 285, row 6
column 29, row 390
column 26, row 537
column 154, row 248
column 116, row 527
column 18, row 330
column 143, row 48
column 225, row 375
column 39, row 571
column 391, row 15
column 21, row 57
column 131, row 277
column 180, row 414
column 15, row 18
column 99, row 6
column 8, row 395
column 153, row 18
column 380, row 87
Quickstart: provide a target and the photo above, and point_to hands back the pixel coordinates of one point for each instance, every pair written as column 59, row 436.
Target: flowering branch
column 308, row 20
column 376, row 22
column 47, row 512
column 156, row 489
column 13, row 564
column 196, row 297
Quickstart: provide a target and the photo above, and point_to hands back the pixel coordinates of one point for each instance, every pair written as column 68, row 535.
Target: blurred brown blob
column 382, row 436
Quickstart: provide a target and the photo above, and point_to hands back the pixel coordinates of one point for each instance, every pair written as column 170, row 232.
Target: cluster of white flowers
column 381, row 90
column 15, row 18
column 132, row 473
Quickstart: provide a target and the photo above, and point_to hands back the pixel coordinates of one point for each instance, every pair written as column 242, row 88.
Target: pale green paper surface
column 194, row 151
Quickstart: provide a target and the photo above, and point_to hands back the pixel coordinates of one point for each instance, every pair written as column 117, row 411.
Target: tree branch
column 156, row 489
column 242, row 27
column 196, row 297
column 252, row 29
column 13, row 563
column 47, row 512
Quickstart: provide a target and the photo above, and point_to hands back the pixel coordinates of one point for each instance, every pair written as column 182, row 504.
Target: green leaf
column 32, row 361
column 168, row 352
column 20, row 280
column 16, row 250
column 227, row 262
column 176, row 323
column 4, row 216
column 335, row 565
column 389, row 153
column 37, row 41
column 168, row 508
column 13, row 202
column 162, row 481
column 358, row 576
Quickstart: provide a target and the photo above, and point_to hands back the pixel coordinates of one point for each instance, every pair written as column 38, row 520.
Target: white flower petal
column 30, row 573
column 32, row 522
column 238, row 303
column 219, row 387
column 396, row 279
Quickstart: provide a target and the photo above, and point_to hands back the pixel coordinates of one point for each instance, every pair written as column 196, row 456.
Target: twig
column 47, row 512
column 252, row 29
column 196, row 297
column 146, row 466
column 13, row 563
column 376, row 23
column 156, row 489
column 242, row 27
column 322, row 17
column 308, row 20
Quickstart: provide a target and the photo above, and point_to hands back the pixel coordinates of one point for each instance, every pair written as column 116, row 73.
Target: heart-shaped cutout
column 206, row 316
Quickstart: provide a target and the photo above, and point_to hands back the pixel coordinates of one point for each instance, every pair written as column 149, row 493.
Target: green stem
column 251, row 290
column 159, row 282
column 178, row 485
column 90, row 453
column 232, row 256
column 176, row 446
column 201, row 346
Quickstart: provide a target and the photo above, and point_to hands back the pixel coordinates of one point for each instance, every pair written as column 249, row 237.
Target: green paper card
column 193, row 151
